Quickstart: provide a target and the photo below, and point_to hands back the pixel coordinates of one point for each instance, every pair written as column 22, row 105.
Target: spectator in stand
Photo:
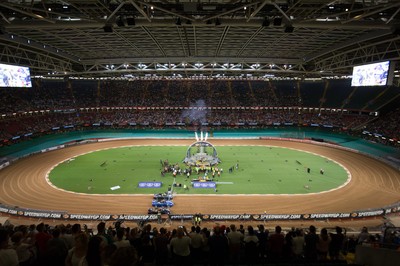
column 147, row 232
column 363, row 236
column 288, row 245
column 262, row 236
column 196, row 244
column 8, row 256
column 94, row 253
column 121, row 240
column 161, row 243
column 275, row 244
column 298, row 244
column 241, row 229
column 41, row 239
column 76, row 255
column 24, row 250
column 135, row 240
column 66, row 235
column 336, row 243
column 372, row 241
column 206, row 247
column 56, row 249
column 124, row 256
column 310, row 247
column 218, row 247
column 147, row 249
column 235, row 239
column 323, row 244
column 251, row 246
column 31, row 235
column 180, row 247
column 351, row 243
column 107, row 252
column 101, row 232
column 76, row 229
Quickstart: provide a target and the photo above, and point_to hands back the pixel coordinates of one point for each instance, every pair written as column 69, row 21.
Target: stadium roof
column 212, row 38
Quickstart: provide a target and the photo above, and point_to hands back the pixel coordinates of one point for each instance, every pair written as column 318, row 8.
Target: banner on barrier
column 226, row 217
column 203, row 184
column 150, row 184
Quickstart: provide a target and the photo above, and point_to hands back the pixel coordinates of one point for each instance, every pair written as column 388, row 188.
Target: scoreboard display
column 15, row 76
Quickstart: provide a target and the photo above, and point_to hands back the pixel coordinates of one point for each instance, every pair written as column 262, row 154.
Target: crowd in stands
column 191, row 103
column 120, row 245
column 388, row 126
column 53, row 122
column 76, row 94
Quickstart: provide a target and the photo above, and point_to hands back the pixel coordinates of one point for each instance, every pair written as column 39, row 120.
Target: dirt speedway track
column 373, row 185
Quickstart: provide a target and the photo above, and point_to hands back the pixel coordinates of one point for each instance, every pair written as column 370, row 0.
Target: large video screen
column 15, row 76
column 376, row 74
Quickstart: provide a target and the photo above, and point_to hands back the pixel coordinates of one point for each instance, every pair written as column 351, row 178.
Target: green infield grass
column 261, row 170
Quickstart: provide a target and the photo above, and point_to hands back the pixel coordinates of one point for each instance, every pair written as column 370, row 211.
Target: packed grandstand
column 66, row 105
column 121, row 244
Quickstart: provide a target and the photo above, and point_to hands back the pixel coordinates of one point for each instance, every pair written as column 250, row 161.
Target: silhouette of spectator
column 336, row 244
column 135, row 240
column 363, row 236
column 77, row 253
column 288, row 245
column 66, row 235
column 323, row 244
column 196, row 244
column 235, row 239
column 107, row 252
column 121, row 240
column 350, row 244
column 95, row 248
column 262, row 236
column 298, row 244
column 56, row 249
column 161, row 243
column 147, row 249
column 310, row 248
column 251, row 246
column 41, row 239
column 101, row 231
column 8, row 256
column 24, row 250
column 275, row 244
column 218, row 247
column 206, row 247
column 180, row 246
column 76, row 229
column 241, row 229
column 124, row 256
